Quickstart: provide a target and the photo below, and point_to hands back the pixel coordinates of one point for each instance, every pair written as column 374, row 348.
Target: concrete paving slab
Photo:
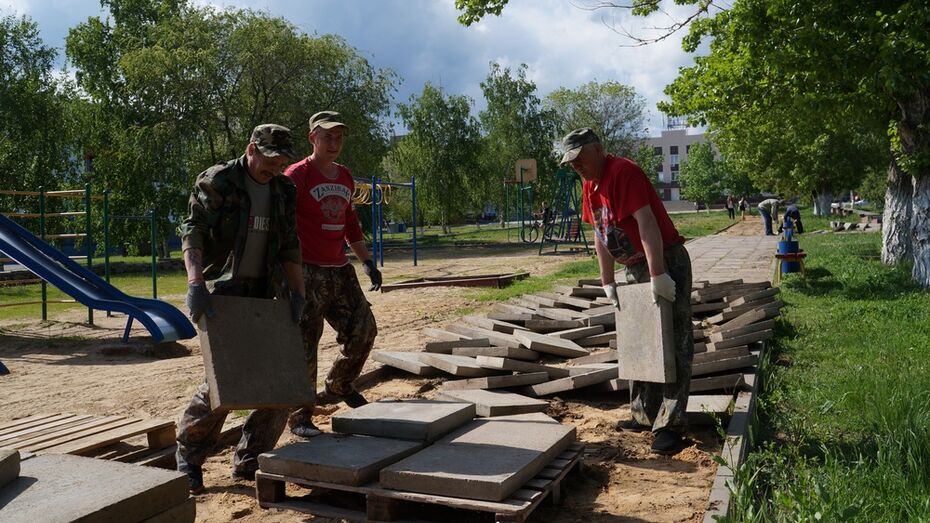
column 741, row 331
column 702, row 407
column 408, row 361
column 507, row 364
column 517, row 353
column 445, row 347
column 741, row 340
column 417, row 420
column 710, row 367
column 492, row 325
column 253, row 355
column 487, row 459
column 498, row 339
column 644, row 336
column 580, row 332
column 598, row 340
column 606, row 356
column 573, row 382
column 343, row 459
column 9, row 466
column 550, row 345
column 63, row 488
column 457, row 365
column 547, row 325
column 497, row 382
column 706, row 357
column 186, row 512
column 495, row 403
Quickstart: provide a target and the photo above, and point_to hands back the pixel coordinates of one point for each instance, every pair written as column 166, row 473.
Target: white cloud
column 422, row 41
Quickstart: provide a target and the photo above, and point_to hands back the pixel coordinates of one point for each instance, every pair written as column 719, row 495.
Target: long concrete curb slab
column 735, row 446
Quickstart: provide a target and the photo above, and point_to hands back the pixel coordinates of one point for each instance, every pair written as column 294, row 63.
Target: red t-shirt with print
column 609, row 205
column 326, row 220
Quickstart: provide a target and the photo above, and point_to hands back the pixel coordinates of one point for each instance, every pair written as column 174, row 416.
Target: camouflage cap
column 273, row 140
column 326, row 120
column 575, row 140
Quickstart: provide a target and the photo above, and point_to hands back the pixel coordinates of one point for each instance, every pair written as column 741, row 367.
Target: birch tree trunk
column 823, row 201
column 914, row 133
column 896, row 219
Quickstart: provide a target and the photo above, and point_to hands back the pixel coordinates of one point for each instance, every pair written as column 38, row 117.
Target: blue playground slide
column 163, row 321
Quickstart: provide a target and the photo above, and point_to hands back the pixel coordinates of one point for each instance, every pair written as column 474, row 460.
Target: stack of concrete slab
column 495, row 403
column 487, row 459
column 63, row 488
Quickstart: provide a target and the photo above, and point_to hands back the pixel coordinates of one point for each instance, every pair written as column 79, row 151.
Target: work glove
column 198, row 301
column 663, row 286
column 611, row 290
column 373, row 273
column 297, row 306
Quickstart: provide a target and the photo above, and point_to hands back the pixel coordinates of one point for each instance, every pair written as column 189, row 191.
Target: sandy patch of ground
column 67, row 366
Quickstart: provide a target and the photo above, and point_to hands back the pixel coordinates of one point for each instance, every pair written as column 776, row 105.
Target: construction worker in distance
column 632, row 228
column 768, row 210
column 326, row 223
column 241, row 237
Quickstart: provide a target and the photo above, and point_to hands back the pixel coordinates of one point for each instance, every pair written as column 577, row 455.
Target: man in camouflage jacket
column 241, row 237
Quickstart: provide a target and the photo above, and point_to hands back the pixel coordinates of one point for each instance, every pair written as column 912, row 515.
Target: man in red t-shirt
column 631, row 227
column 326, row 222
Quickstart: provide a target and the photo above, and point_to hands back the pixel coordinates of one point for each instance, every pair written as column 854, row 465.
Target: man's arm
column 605, row 261
column 193, row 262
column 295, row 278
column 360, row 250
column 652, row 240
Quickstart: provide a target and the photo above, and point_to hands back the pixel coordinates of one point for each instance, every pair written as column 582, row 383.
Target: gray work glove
column 297, row 306
column 611, row 290
column 373, row 273
column 198, row 301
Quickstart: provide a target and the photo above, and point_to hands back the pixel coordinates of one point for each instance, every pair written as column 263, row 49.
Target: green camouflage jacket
column 217, row 223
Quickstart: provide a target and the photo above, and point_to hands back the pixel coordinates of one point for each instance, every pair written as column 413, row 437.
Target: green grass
column 174, row 282
column 569, row 273
column 701, row 223
column 844, row 417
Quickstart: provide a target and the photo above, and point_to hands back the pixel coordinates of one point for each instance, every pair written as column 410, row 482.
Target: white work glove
column 663, row 286
column 611, row 290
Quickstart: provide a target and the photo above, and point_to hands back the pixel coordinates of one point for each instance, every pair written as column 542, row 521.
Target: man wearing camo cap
column 240, row 236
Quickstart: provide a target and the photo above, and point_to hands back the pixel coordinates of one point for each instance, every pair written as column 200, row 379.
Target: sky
column 563, row 44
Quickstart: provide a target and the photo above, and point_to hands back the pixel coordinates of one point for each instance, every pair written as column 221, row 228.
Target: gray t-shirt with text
column 252, row 264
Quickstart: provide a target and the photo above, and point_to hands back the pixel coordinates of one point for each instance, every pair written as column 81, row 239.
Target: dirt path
column 66, row 366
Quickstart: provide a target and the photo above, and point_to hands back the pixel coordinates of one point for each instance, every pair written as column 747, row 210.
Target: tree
column 176, row 88
column 515, row 126
column 475, row 10
column 702, row 175
column 35, row 140
column 442, row 151
column 612, row 109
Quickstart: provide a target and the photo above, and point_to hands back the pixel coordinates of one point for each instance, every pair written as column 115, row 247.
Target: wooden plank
column 30, row 421
column 75, row 433
column 14, row 438
column 103, row 439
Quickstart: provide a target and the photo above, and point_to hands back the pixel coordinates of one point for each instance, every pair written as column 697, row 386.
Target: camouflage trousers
column 662, row 405
column 333, row 294
column 201, row 425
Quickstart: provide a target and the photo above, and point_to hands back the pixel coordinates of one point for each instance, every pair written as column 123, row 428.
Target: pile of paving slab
column 543, row 344
column 424, row 446
column 62, row 488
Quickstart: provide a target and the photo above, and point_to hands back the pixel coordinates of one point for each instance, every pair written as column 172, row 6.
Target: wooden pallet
column 373, row 503
column 116, row 438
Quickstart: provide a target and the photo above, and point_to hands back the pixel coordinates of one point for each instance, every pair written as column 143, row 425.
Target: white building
column 673, row 146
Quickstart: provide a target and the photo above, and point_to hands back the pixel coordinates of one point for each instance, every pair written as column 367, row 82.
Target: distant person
column 326, row 223
column 768, row 210
column 546, row 213
column 731, row 209
column 794, row 213
column 743, row 207
column 632, row 227
column 239, row 235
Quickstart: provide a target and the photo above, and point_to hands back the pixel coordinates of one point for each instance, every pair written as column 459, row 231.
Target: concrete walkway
column 722, row 257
